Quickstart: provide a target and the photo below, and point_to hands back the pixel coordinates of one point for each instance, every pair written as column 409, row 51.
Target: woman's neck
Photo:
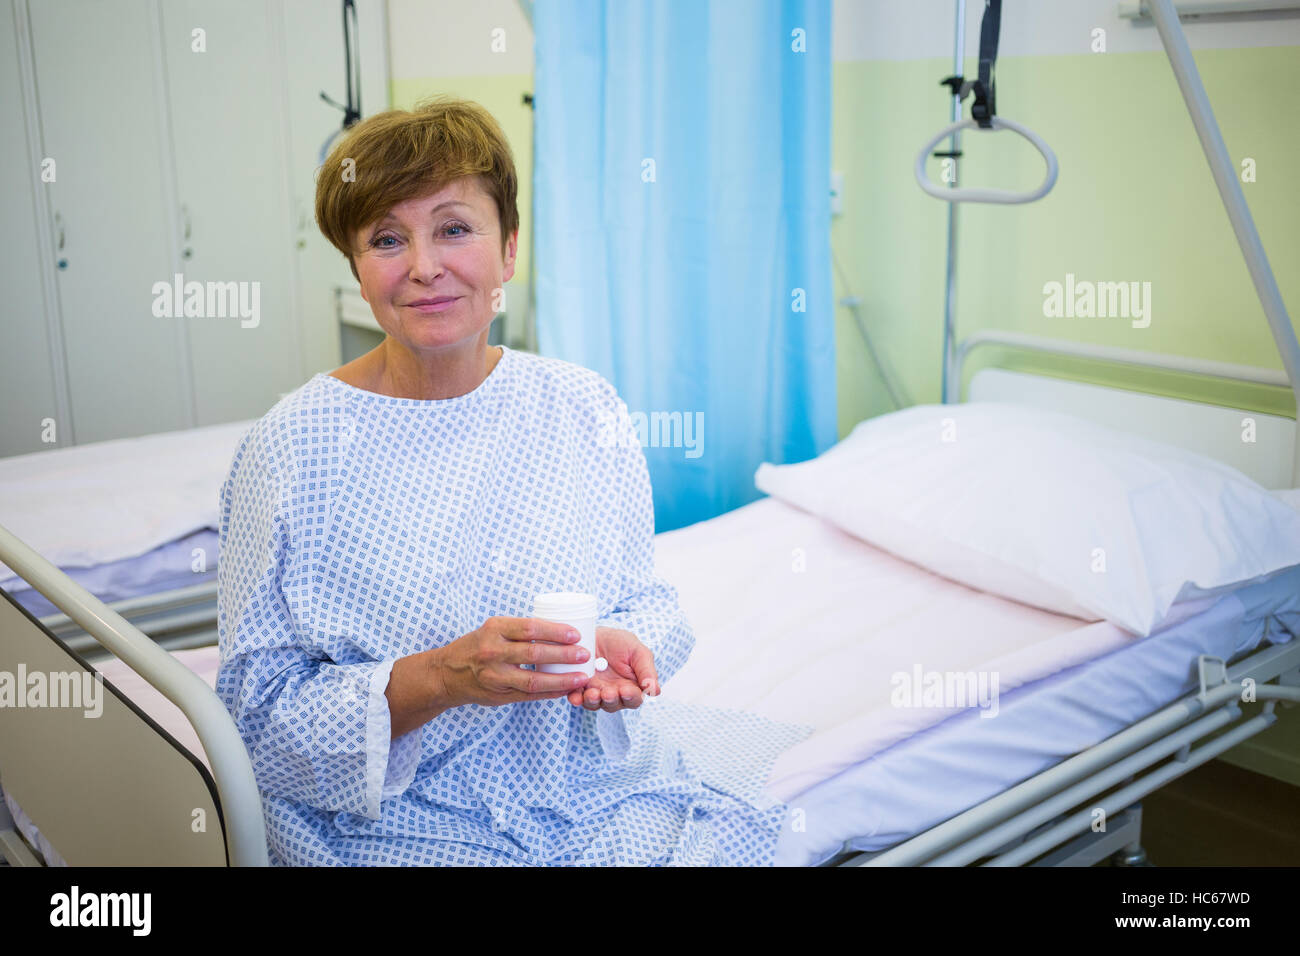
column 390, row 369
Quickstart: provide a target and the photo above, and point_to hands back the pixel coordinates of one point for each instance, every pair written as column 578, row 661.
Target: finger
column 522, row 698
column 591, row 698
column 534, row 629
column 646, row 677
column 539, row 684
column 629, row 694
column 623, row 668
column 610, row 698
column 538, row 653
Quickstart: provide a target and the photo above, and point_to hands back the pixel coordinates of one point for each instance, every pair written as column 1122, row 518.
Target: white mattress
column 817, row 646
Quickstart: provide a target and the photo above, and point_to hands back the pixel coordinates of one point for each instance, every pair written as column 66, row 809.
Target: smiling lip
column 441, row 303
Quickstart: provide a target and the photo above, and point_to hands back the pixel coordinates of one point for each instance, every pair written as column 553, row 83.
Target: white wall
column 916, row 29
column 453, row 38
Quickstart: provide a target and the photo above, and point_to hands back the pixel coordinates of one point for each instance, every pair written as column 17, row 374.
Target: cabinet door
column 226, row 102
column 29, row 384
column 98, row 87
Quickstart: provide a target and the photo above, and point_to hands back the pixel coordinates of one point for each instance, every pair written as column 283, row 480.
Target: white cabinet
column 101, row 122
column 185, row 136
column 232, row 184
column 31, row 389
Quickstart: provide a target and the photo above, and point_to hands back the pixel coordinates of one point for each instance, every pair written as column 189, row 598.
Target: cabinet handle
column 188, row 251
column 59, row 241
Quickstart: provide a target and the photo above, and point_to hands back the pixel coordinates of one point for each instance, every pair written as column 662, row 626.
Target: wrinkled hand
column 483, row 666
column 630, row 677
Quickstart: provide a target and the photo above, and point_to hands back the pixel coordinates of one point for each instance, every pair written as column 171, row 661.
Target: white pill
column 601, row 663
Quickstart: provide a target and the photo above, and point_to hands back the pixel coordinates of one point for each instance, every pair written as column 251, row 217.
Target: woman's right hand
column 483, row 666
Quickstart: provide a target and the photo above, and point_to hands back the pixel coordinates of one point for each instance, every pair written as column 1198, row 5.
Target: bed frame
column 1047, row 819
column 175, row 620
column 155, row 804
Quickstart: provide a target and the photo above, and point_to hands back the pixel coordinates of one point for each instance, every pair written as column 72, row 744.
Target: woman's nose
column 426, row 264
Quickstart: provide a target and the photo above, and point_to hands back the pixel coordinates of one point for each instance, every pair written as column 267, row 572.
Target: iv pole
column 954, row 149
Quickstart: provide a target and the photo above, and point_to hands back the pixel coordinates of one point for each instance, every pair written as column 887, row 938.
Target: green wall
column 1135, row 202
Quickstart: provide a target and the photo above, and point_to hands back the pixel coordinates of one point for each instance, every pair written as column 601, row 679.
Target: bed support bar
column 1234, row 201
column 236, row 785
column 996, row 825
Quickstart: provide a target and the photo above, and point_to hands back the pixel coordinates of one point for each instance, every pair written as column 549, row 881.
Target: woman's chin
column 433, row 337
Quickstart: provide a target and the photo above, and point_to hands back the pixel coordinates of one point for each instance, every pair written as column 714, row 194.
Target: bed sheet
column 802, row 623
column 940, row 772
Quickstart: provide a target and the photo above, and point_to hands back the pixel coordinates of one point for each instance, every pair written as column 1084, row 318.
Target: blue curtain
column 682, row 180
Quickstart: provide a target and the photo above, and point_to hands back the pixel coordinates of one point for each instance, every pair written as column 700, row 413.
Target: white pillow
column 1046, row 509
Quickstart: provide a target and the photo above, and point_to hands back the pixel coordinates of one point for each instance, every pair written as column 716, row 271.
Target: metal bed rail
column 1119, row 356
column 176, row 620
column 241, row 804
column 999, row 824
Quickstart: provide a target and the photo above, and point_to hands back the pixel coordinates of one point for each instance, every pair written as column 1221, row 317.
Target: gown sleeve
column 647, row 605
column 317, row 732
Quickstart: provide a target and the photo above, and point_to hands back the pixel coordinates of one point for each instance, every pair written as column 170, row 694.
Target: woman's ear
column 512, row 249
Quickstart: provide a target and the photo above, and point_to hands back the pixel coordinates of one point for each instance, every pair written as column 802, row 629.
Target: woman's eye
column 455, row 225
column 379, row 241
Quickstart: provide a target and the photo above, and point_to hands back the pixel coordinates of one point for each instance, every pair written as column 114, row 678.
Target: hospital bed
column 1089, row 718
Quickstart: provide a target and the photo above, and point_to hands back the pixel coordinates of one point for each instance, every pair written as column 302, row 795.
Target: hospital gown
column 357, row 528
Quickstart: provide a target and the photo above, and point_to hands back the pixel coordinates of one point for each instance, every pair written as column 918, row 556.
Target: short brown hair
column 399, row 155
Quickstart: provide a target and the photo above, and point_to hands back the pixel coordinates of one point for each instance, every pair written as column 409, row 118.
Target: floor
column 1221, row 815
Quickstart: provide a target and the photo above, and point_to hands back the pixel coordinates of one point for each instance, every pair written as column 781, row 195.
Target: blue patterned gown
column 358, row 528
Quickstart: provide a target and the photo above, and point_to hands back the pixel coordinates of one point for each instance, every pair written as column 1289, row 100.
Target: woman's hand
column 483, row 666
column 630, row 676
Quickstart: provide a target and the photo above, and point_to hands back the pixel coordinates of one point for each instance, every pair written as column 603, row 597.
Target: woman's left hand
column 629, row 677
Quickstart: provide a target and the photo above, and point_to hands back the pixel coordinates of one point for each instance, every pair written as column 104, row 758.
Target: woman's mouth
column 439, row 304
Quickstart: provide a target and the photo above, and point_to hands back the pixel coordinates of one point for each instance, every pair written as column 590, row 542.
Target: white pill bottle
column 579, row 611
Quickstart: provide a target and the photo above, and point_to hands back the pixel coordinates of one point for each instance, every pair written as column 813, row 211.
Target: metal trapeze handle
column 960, row 194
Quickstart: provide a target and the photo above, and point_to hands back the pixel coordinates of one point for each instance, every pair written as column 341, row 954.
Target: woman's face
column 432, row 269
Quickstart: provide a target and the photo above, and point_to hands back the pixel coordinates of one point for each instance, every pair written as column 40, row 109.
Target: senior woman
column 384, row 529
